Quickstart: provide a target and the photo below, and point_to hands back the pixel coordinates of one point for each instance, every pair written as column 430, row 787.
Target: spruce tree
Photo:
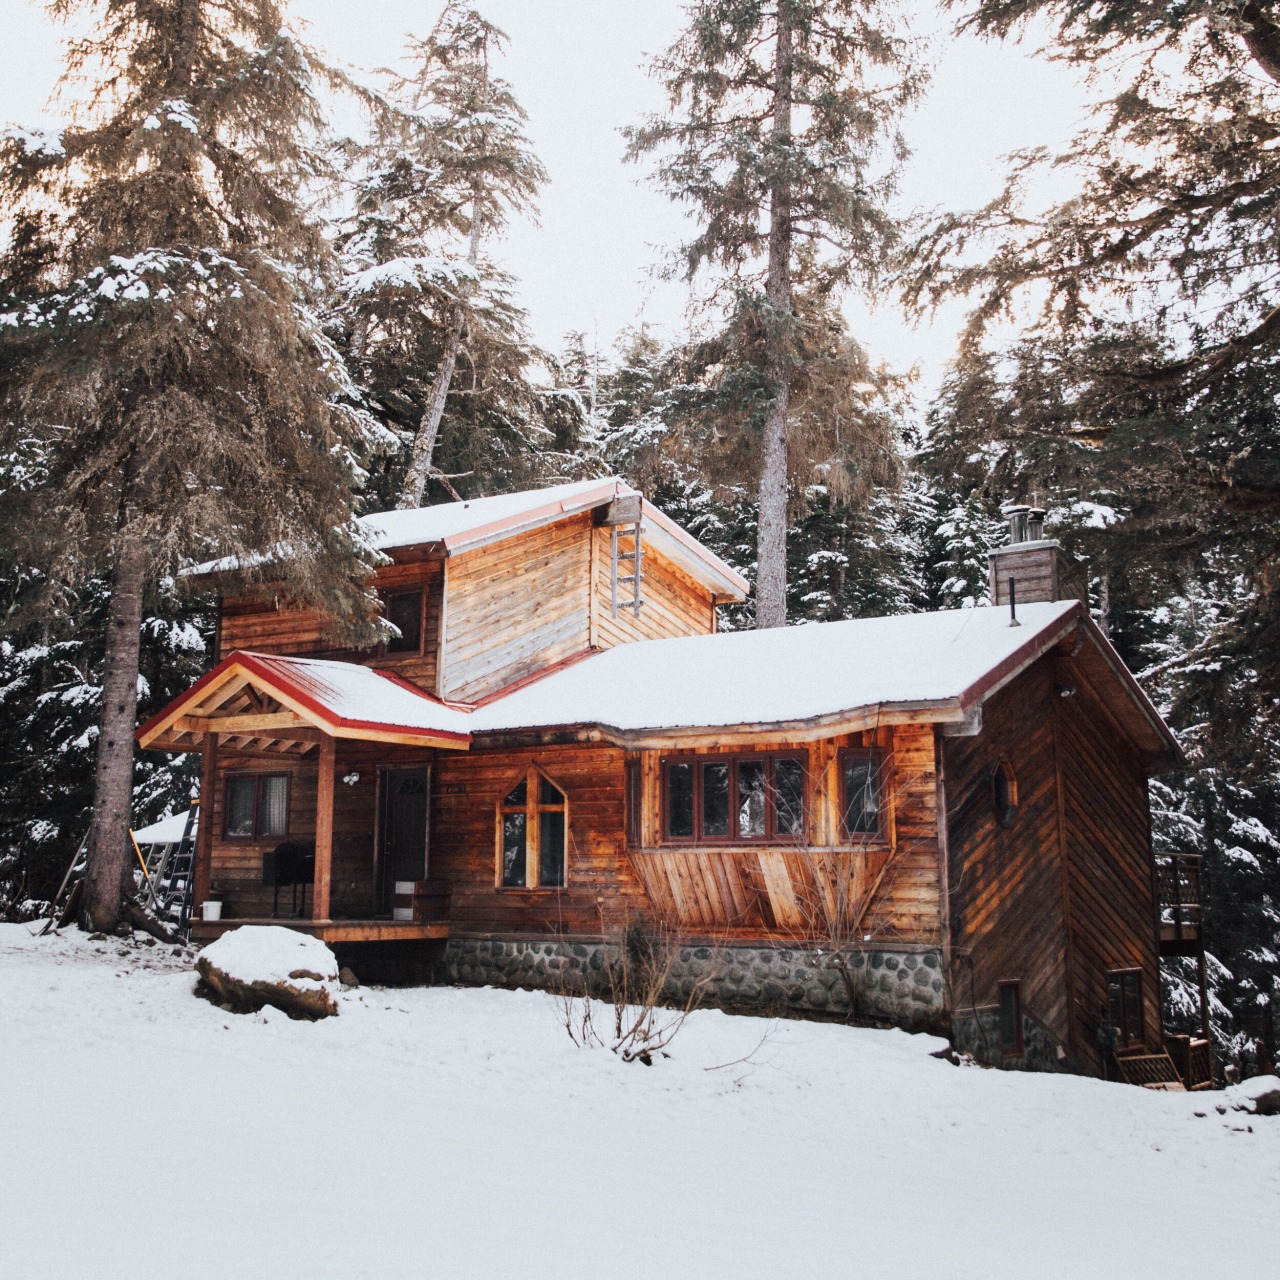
column 165, row 390
column 449, row 162
column 782, row 135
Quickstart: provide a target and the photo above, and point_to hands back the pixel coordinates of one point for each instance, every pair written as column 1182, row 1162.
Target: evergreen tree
column 782, row 135
column 449, row 161
column 165, row 389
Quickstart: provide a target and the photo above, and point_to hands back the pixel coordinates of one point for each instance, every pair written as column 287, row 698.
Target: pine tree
column 166, row 391
column 782, row 135
column 449, row 161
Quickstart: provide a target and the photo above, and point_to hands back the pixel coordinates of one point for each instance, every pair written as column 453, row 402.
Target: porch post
column 203, row 871
column 324, row 831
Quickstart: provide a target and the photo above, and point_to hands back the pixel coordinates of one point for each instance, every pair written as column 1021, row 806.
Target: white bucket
column 211, row 910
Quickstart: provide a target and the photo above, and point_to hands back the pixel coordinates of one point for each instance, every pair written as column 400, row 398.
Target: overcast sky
column 578, row 66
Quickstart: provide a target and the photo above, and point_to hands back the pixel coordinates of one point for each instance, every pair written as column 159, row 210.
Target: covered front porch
column 313, row 819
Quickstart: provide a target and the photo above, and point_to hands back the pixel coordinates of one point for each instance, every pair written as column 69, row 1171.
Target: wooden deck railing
column 1178, row 886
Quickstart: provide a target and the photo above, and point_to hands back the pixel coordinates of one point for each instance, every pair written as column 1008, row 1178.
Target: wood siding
column 516, row 606
column 859, row 893
column 1064, row 894
column 1006, row 884
column 260, row 626
column 1110, row 897
column 674, row 604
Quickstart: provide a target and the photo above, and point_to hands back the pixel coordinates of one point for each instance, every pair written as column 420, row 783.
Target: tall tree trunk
column 108, row 880
column 771, row 537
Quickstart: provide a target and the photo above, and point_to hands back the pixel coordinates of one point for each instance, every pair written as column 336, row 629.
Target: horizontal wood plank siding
column 674, row 604
column 516, row 606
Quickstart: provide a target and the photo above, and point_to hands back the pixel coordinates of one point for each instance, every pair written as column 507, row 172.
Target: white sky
column 578, row 68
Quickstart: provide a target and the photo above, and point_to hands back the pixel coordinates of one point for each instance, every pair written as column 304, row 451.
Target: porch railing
column 1181, row 910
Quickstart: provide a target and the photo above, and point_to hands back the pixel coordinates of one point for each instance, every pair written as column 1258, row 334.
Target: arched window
column 533, row 829
column 1004, row 793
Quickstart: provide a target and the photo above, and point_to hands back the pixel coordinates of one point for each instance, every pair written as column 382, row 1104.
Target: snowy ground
column 442, row 1131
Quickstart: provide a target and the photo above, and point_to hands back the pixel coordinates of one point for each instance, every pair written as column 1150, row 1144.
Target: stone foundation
column 977, row 1032
column 901, row 987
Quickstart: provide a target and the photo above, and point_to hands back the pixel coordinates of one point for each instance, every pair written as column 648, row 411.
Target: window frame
column 1006, row 814
column 533, row 809
column 1018, row 1048
column 771, row 834
column 259, row 776
column 633, row 801
column 1127, row 1037
column 879, row 761
column 389, row 647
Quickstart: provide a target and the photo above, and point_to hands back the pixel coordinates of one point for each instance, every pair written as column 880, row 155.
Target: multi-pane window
column 1124, row 1006
column 860, row 794
column 404, row 612
column 257, row 806
column 723, row 799
column 1011, row 1019
column 532, row 834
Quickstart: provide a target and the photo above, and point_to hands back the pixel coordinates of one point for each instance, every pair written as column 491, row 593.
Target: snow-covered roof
column 455, row 527
column 167, row 830
column 811, row 672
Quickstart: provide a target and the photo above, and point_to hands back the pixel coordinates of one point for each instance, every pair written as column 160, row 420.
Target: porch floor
column 329, row 930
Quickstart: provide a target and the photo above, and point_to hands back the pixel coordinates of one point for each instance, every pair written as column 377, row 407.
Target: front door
column 405, row 793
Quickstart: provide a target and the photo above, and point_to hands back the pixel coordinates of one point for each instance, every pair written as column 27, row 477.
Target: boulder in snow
column 1260, row 1095
column 258, row 965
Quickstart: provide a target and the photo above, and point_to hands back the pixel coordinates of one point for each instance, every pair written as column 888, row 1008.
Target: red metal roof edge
column 532, row 678
column 262, row 666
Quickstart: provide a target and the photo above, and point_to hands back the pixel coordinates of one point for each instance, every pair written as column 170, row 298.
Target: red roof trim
column 532, row 678
column 272, row 670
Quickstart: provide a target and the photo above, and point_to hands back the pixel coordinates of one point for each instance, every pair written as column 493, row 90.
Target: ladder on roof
column 171, row 877
column 627, row 552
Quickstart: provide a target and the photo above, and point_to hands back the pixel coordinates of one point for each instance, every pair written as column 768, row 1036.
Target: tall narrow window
column 1004, row 793
column 723, row 799
column 533, row 835
column 632, row 800
column 1124, row 1006
column 1011, row 1019
column 860, row 788
column 257, row 806
column 404, row 612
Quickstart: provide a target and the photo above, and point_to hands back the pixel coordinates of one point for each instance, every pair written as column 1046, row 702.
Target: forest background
column 1115, row 364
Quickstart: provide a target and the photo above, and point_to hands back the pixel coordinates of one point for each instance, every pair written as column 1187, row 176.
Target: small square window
column 257, row 807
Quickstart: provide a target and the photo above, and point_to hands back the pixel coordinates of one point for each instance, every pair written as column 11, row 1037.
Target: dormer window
column 404, row 612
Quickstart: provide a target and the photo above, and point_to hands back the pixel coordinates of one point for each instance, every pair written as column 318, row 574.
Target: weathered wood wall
column 236, row 866
column 257, row 625
column 674, row 604
column 1006, row 884
column 1107, row 835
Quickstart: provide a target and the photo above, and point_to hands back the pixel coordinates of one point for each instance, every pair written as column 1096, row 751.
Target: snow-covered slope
column 456, row 1132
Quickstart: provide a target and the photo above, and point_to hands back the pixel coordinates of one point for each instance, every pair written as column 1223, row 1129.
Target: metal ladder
column 170, row 878
column 627, row 546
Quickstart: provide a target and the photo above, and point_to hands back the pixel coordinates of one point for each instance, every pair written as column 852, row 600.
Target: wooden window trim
column 420, row 590
column 1019, row 1046
column 733, row 759
column 259, row 775
column 1006, row 815
column 532, row 809
column 879, row 761
column 633, row 799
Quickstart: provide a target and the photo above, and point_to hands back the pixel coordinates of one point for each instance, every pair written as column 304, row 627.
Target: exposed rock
column 259, row 965
column 1259, row 1095
column 347, row 978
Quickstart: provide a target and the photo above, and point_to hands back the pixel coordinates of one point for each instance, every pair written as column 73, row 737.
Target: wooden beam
column 324, row 832
column 237, row 724
column 204, row 830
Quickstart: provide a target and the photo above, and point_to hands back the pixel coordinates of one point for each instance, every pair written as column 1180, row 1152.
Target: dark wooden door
column 405, row 794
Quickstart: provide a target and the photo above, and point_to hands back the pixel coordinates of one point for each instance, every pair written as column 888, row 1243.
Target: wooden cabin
column 936, row 820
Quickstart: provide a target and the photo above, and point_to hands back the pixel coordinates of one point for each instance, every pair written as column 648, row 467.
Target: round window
column 1004, row 793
